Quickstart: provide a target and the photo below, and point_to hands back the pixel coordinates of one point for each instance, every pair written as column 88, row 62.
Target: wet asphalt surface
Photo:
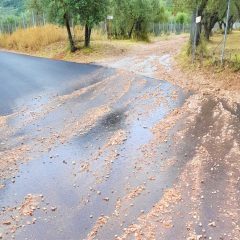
column 22, row 75
column 78, row 172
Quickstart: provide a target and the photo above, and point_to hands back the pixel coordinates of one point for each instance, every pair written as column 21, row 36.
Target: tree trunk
column 88, row 31
column 196, row 29
column 230, row 24
column 209, row 23
column 199, row 25
column 207, row 32
column 89, row 35
column 220, row 25
column 131, row 31
column 140, row 32
column 70, row 38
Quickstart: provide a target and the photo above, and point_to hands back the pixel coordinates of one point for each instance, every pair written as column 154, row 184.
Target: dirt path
column 204, row 202
column 162, row 59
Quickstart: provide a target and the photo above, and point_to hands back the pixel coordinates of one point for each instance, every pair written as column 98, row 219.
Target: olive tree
column 90, row 13
column 60, row 11
column 132, row 17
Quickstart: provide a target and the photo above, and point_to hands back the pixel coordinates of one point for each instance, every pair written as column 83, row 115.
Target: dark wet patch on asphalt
column 113, row 120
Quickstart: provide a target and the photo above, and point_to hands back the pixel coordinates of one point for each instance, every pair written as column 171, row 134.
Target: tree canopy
column 131, row 18
column 211, row 11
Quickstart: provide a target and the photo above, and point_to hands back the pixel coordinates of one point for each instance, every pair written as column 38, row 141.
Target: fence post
column 44, row 21
column 33, row 20
column 195, row 37
column 225, row 34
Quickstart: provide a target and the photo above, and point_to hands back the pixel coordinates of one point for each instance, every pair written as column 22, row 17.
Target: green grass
column 209, row 53
column 232, row 50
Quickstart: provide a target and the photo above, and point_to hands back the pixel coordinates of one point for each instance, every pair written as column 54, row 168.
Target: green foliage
column 201, row 49
column 234, row 62
column 182, row 18
column 90, row 12
column 11, row 7
column 36, row 6
column 132, row 17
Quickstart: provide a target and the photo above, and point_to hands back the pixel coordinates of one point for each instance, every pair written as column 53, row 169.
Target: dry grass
column 97, row 34
column 99, row 50
column 209, row 53
column 36, row 38
column 232, row 51
column 232, row 41
column 232, row 45
column 51, row 41
column 33, row 39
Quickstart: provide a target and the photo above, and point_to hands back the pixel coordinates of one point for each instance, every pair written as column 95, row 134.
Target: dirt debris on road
column 136, row 157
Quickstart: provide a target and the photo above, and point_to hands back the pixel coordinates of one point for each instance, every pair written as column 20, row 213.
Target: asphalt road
column 22, row 75
column 88, row 144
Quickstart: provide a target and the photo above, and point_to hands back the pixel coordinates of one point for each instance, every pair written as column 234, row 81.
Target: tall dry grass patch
column 97, row 34
column 33, row 39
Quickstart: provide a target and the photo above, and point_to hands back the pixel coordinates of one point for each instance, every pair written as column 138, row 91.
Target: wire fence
column 10, row 25
column 169, row 28
column 232, row 50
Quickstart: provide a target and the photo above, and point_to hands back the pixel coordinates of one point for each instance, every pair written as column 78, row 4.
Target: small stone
column 53, row 209
column 212, row 224
column 91, row 216
column 7, row 223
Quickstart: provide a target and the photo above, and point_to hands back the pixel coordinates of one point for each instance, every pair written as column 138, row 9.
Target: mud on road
column 122, row 156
